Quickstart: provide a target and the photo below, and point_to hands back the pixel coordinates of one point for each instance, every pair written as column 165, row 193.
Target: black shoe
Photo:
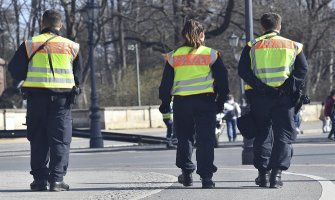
column 185, row 179
column 275, row 179
column 39, row 185
column 263, row 179
column 207, row 183
column 59, row 186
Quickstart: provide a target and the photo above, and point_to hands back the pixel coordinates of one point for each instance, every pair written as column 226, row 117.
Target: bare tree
column 156, row 27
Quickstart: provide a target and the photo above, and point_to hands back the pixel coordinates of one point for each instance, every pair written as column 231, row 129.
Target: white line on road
column 328, row 187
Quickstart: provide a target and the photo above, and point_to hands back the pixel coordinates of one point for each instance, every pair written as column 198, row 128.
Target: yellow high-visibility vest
column 272, row 58
column 167, row 115
column 192, row 70
column 62, row 51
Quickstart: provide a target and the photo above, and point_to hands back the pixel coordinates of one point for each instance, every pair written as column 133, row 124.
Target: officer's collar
column 50, row 30
column 269, row 32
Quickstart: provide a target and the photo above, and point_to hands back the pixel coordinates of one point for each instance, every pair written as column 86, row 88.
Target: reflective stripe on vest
column 272, row 58
column 62, row 51
column 167, row 116
column 192, row 70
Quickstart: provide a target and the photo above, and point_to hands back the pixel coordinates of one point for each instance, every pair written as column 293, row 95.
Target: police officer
column 193, row 75
column 50, row 67
column 274, row 69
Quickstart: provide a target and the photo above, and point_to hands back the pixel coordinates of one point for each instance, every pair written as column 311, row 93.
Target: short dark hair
column 51, row 19
column 270, row 21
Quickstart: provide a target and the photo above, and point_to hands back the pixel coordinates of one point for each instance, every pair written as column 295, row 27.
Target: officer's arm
column 166, row 84
column 245, row 72
column 220, row 75
column 77, row 69
column 297, row 77
column 18, row 65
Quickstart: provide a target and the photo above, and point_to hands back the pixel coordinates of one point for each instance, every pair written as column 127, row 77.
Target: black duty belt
column 195, row 96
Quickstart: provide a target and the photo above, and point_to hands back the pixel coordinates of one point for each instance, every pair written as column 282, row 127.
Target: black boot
column 185, row 178
column 263, row 179
column 59, row 186
column 275, row 179
column 207, row 183
column 39, row 185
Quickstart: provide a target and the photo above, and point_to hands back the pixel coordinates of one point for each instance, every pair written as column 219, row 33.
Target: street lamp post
column 133, row 47
column 96, row 140
column 234, row 41
column 247, row 152
column 237, row 42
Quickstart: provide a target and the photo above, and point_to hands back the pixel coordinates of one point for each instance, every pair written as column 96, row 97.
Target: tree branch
column 225, row 23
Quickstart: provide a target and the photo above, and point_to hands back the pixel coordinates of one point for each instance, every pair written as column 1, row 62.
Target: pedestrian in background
column 191, row 73
column 325, row 121
column 50, row 68
column 232, row 111
column 330, row 113
column 274, row 69
column 297, row 122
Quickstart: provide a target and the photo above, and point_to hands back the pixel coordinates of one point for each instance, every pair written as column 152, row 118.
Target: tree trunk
column 17, row 21
column 33, row 17
column 317, row 74
column 177, row 4
column 69, row 9
column 331, row 71
column 121, row 36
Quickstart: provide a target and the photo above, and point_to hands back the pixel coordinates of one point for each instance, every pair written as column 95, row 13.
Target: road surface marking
column 328, row 187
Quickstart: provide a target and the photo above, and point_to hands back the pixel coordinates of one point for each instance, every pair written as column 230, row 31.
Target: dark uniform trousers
column 49, row 130
column 273, row 143
column 194, row 119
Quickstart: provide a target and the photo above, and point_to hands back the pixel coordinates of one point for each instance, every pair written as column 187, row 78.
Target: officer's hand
column 164, row 108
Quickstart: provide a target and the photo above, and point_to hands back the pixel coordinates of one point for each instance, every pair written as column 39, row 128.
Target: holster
column 247, row 126
column 72, row 99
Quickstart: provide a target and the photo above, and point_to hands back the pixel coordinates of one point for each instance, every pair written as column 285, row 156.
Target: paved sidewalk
column 106, row 185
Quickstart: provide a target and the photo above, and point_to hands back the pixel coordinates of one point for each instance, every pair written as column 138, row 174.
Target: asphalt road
column 148, row 172
column 310, row 177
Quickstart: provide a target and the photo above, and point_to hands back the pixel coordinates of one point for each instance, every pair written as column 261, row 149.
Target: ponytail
column 192, row 33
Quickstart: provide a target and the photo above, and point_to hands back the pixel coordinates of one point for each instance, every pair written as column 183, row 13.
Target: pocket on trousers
column 29, row 119
column 61, row 131
column 61, row 122
column 67, row 134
